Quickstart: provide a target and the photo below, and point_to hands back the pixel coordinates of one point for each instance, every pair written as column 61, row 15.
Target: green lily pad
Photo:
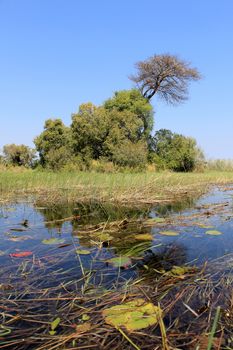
column 121, row 261
column 155, row 221
column 169, row 233
column 144, row 237
column 83, row 251
column 133, row 315
column 205, row 226
column 53, row 241
column 213, row 232
column 103, row 237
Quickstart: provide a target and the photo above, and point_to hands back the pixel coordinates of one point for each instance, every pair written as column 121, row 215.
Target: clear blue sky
column 56, row 54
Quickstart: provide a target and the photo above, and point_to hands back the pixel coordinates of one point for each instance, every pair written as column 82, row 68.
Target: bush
column 175, row 152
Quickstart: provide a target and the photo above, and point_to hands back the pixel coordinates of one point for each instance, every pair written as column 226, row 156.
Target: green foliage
column 132, row 101
column 19, row 155
column 174, row 151
column 90, row 127
column 133, row 315
column 54, row 144
column 110, row 133
column 128, row 154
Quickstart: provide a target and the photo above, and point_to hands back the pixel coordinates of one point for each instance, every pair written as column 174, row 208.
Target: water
column 24, row 227
column 82, row 261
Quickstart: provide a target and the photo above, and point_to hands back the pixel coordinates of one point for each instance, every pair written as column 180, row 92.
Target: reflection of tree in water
column 176, row 207
column 91, row 214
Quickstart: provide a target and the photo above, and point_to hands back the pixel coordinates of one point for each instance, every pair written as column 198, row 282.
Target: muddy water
column 61, row 244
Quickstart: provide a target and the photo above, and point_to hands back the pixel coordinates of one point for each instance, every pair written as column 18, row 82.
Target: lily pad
column 169, row 233
column 121, row 261
column 144, row 237
column 53, row 241
column 19, row 238
column 83, row 251
column 133, row 315
column 205, row 226
column 103, row 237
column 213, row 232
column 155, row 221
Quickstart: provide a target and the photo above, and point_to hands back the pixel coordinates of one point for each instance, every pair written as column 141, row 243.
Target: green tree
column 90, row 127
column 132, row 101
column 175, row 151
column 19, row 155
column 99, row 131
column 54, row 144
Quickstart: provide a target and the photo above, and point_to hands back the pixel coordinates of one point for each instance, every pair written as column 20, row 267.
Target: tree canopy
column 20, row 155
column 165, row 75
column 54, row 144
column 132, row 101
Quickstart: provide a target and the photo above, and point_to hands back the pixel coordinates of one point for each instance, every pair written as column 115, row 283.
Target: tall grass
column 145, row 187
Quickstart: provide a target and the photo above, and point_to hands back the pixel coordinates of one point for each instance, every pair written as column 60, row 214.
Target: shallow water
column 25, row 226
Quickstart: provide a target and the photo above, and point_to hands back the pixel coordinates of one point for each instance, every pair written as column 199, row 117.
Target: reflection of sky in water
column 198, row 245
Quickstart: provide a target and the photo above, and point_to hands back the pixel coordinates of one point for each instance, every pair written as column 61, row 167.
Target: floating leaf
column 133, row 315
column 213, row 232
column 19, row 238
column 205, row 226
column 53, row 241
column 144, row 237
column 169, row 233
column 21, row 255
column 121, row 261
column 154, row 221
column 83, row 251
column 104, row 237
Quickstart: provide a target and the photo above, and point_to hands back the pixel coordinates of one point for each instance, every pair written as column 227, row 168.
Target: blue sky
column 57, row 54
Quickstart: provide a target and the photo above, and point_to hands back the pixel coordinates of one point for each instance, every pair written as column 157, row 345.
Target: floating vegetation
column 144, row 237
column 169, row 233
column 21, row 254
column 121, row 261
column 83, row 251
column 53, row 240
column 96, row 284
column 133, row 315
column 213, row 232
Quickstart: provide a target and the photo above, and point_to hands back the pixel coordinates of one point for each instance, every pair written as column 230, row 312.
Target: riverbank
column 119, row 188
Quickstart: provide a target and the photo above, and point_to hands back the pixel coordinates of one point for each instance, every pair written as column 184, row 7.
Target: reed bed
column 122, row 188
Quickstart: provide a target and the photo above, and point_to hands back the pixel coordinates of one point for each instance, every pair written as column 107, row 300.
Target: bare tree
column 166, row 75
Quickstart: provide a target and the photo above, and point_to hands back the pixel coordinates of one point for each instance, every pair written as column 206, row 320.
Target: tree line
column 119, row 133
